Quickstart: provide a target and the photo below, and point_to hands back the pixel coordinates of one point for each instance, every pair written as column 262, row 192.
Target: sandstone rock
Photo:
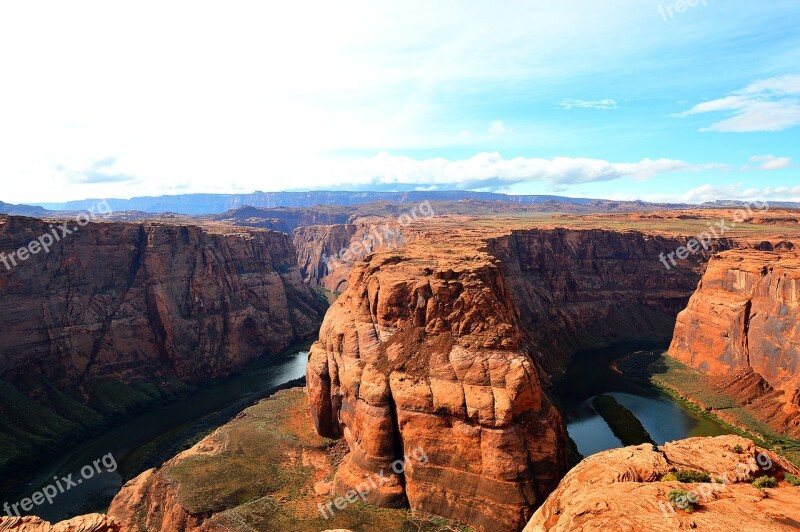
column 83, row 523
column 137, row 301
column 326, row 253
column 425, row 355
column 619, row 490
column 743, row 325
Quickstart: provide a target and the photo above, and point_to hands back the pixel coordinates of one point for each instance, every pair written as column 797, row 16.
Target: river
column 595, row 373
column 149, row 438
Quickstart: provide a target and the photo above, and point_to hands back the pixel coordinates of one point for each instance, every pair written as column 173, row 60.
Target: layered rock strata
column 424, row 354
column 580, row 289
column 441, row 345
column 135, row 301
column 742, row 325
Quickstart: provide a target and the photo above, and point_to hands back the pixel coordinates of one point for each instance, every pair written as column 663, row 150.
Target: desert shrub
column 765, row 482
column 686, row 475
column 792, row 479
column 669, row 477
column 682, row 499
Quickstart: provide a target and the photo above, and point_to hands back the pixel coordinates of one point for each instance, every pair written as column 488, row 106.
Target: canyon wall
column 118, row 316
column 326, row 253
column 743, row 319
column 581, row 289
column 134, row 301
column 281, row 219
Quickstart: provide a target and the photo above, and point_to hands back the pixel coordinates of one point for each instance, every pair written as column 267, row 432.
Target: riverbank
column 149, row 438
column 694, row 390
column 606, row 408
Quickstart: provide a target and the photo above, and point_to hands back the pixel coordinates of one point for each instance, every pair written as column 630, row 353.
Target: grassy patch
column 686, row 475
column 792, row 479
column 683, row 500
column 765, row 482
column 680, row 382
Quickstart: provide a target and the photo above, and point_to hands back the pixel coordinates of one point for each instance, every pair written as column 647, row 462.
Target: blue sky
column 625, row 99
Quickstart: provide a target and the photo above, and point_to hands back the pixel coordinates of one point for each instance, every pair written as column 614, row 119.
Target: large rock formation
column 743, row 323
column 436, row 345
column 326, row 253
column 428, row 355
column 620, row 490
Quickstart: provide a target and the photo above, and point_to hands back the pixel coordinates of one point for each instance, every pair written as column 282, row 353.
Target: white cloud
column 588, row 104
column 497, row 128
column 766, row 105
column 490, row 169
column 770, row 162
column 738, row 191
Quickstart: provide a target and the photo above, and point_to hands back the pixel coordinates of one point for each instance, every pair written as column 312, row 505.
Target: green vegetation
column 682, row 383
column 622, row 422
column 738, row 449
column 792, row 479
column 682, row 499
column 765, row 482
column 687, row 475
column 257, row 482
column 37, row 418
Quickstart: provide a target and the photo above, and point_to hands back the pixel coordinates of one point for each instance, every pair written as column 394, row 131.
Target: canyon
column 119, row 315
column 453, row 342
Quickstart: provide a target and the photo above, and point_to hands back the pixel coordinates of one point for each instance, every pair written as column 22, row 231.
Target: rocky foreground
column 621, row 490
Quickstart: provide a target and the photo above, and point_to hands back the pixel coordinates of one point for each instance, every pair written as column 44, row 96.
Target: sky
column 623, row 99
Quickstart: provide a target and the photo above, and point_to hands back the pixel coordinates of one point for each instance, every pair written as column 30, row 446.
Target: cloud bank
column 766, row 105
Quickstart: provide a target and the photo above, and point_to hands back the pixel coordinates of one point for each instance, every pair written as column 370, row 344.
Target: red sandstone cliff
column 326, row 253
column 117, row 313
column 137, row 301
column 743, row 323
column 439, row 345
column 580, row 289
column 83, row 523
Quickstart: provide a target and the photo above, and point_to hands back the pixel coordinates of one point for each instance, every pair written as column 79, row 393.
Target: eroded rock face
column 83, row 523
column 326, row 254
column 421, row 353
column 138, row 301
column 620, row 489
column 580, row 289
column 745, row 318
